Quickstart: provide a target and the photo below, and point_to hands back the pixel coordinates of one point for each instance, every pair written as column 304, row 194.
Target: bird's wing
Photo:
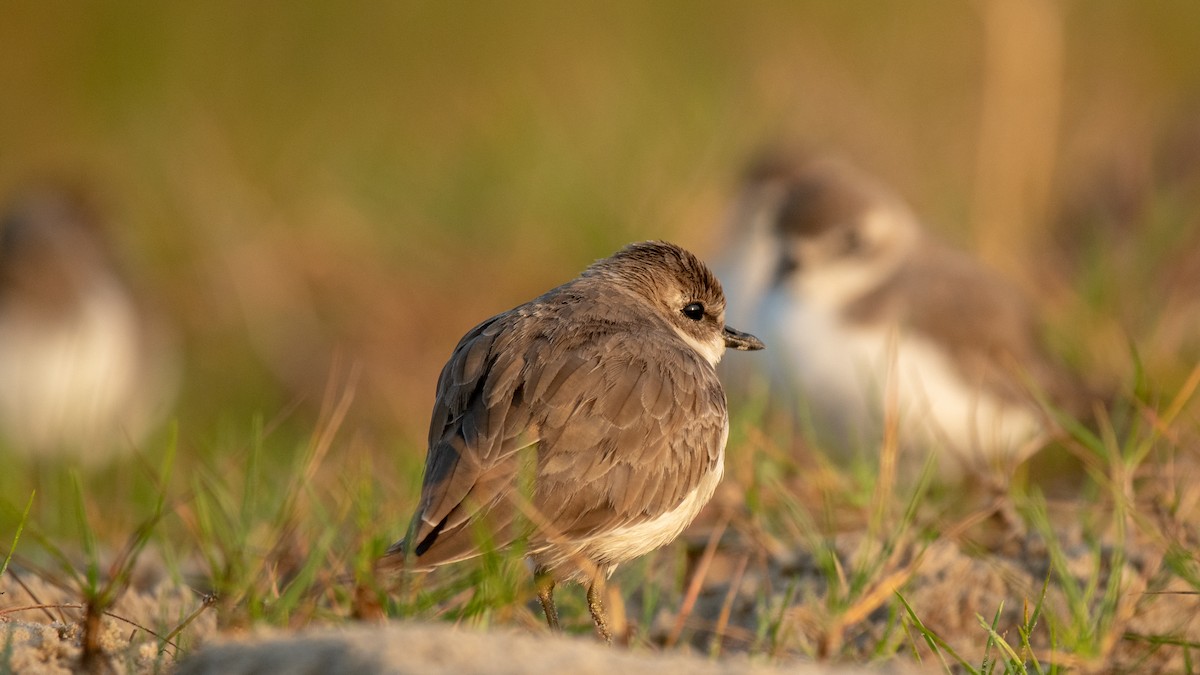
column 638, row 451
column 477, row 425
column 616, row 435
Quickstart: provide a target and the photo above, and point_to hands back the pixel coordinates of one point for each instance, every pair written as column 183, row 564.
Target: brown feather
column 627, row 418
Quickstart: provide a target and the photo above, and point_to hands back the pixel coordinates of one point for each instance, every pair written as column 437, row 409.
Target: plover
column 83, row 373
column 864, row 308
column 601, row 397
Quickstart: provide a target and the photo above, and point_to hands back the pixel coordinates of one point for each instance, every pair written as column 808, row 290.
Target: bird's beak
column 745, row 342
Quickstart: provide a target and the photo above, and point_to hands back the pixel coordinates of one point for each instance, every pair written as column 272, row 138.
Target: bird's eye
column 851, row 241
column 787, row 267
column 694, row 311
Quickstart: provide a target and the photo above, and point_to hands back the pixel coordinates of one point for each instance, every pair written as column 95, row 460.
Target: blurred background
column 323, row 197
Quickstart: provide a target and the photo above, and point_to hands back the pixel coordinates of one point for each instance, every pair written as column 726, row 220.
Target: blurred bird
column 600, row 396
column 871, row 314
column 83, row 375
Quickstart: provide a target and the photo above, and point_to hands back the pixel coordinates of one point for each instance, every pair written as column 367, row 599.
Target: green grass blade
column 17, row 535
column 936, row 644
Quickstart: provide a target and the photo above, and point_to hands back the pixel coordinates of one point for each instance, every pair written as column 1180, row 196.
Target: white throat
column 711, row 351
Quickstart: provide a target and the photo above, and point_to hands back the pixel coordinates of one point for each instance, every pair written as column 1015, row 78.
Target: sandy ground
column 953, row 590
column 41, row 630
column 950, row 589
column 41, row 625
column 433, row 649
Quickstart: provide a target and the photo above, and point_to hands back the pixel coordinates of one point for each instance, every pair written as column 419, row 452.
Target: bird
column 872, row 316
column 85, row 372
column 588, row 423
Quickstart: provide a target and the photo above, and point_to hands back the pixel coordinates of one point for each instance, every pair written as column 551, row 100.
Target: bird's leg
column 596, row 607
column 545, row 591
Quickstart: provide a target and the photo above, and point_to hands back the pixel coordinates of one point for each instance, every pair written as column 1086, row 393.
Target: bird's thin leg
column 596, row 607
column 545, row 591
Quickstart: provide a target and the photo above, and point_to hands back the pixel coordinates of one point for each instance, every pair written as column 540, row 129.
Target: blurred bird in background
column 874, row 319
column 83, row 373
